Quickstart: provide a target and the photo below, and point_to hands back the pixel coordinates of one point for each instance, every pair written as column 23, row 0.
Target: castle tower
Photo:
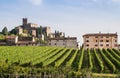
column 24, row 21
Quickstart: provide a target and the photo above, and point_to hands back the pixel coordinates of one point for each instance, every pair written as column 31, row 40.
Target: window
column 87, row 40
column 87, row 37
column 107, row 37
column 115, row 36
column 107, row 40
column 101, row 40
column 101, row 36
column 96, row 36
column 55, row 44
column 115, row 45
column 87, row 45
column 107, row 44
column 115, row 40
column 96, row 41
column 101, row 44
column 96, row 44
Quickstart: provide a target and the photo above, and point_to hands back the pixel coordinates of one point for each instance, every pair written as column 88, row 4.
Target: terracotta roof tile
column 101, row 34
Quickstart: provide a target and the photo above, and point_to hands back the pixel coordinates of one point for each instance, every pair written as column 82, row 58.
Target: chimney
column 24, row 21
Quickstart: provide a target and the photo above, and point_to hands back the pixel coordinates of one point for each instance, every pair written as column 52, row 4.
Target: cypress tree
column 5, row 31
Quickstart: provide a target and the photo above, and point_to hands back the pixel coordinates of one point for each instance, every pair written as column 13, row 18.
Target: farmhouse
column 25, row 41
column 15, row 40
column 100, row 40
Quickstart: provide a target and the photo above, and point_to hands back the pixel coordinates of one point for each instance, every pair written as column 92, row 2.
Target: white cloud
column 36, row 2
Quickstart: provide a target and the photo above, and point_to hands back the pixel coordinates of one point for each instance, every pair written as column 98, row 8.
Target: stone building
column 100, row 40
column 70, row 42
column 15, row 40
column 27, row 28
column 57, row 35
column 25, row 41
column 11, row 40
column 32, row 29
column 47, row 30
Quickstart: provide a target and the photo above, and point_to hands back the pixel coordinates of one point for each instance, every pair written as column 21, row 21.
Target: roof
column 25, row 38
column 10, row 37
column 101, row 34
column 25, row 42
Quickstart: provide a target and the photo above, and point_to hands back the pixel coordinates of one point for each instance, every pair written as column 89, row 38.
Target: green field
column 35, row 59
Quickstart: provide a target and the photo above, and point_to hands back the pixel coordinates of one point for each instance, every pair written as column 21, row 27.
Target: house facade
column 15, row 40
column 100, row 40
column 70, row 42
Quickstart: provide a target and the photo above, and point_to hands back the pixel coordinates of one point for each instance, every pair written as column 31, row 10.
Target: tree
column 57, row 34
column 45, row 36
column 40, row 30
column 13, row 31
column 5, row 31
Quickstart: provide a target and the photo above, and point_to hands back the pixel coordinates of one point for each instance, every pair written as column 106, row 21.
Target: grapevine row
column 90, row 60
column 108, row 62
column 117, row 51
column 45, row 56
column 114, row 54
column 99, row 61
column 59, row 62
column 48, row 61
column 114, row 60
column 81, row 59
column 69, row 63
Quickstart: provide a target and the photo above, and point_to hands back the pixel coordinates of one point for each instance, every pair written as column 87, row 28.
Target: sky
column 74, row 17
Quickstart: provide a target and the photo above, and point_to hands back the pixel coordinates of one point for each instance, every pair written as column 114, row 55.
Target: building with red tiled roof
column 100, row 40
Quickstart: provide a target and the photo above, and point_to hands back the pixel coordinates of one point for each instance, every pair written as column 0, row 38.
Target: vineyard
column 35, row 59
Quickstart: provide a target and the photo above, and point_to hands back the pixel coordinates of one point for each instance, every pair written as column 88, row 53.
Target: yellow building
column 100, row 40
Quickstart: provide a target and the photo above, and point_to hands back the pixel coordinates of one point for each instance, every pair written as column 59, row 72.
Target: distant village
column 34, row 34
column 37, row 35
